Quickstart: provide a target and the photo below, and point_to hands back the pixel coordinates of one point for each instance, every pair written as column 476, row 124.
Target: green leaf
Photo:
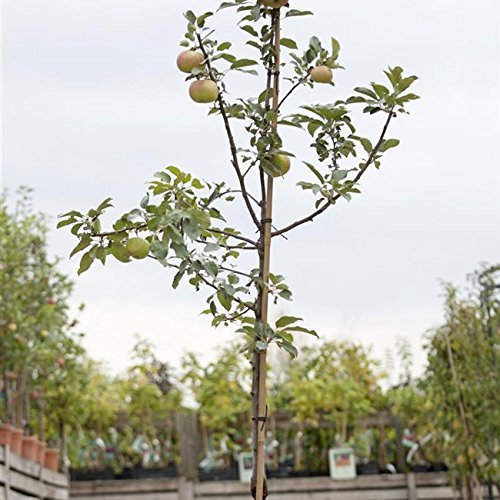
column 225, row 300
column 289, row 43
column 335, row 48
column 289, row 347
column 177, row 279
column 105, row 204
column 406, row 82
column 261, row 345
column 314, row 171
column 365, row 91
column 249, row 29
column 174, row 170
column 159, row 250
column 66, row 222
column 189, row 15
column 191, row 228
column 145, row 201
column 301, row 329
column 381, row 90
column 242, row 63
column 355, row 99
column 85, row 262
column 211, row 268
column 225, row 5
column 388, row 144
column 367, row 145
column 285, row 294
column 286, row 320
column 211, row 247
column 119, row 252
column 84, row 242
column 224, row 46
column 297, row 13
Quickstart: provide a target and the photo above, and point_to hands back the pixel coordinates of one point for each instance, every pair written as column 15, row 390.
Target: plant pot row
column 29, row 447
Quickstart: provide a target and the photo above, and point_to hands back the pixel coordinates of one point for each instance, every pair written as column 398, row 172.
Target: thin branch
column 118, row 231
column 214, row 286
column 143, row 226
column 235, row 236
column 227, row 247
column 356, row 179
column 232, row 143
column 237, row 316
column 292, row 90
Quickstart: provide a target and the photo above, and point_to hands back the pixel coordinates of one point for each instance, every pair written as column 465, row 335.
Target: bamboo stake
column 261, row 491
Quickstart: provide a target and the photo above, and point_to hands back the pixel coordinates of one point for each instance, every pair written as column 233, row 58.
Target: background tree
column 335, row 383
column 35, row 322
column 461, row 382
column 184, row 223
column 219, row 390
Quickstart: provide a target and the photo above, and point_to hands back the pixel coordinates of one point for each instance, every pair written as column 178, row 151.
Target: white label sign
column 245, row 466
column 342, row 463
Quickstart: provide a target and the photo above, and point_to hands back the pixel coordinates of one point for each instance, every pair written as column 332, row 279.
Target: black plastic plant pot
column 280, row 472
column 368, row 468
column 92, row 474
column 229, row 474
column 421, row 468
column 439, row 467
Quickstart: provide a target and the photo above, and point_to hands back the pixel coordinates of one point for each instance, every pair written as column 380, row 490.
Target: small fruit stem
column 261, row 359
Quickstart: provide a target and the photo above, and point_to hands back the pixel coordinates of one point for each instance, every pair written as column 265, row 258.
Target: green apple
column 189, row 59
column 44, row 334
column 282, row 163
column 12, row 327
column 204, row 91
column 138, row 248
column 275, row 4
column 322, row 74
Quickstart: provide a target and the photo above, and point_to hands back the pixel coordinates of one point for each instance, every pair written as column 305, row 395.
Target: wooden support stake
column 261, row 489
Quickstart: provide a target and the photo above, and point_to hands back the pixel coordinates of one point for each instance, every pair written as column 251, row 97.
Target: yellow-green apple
column 188, row 60
column 12, row 327
column 282, row 163
column 138, row 248
column 203, row 91
column 322, row 74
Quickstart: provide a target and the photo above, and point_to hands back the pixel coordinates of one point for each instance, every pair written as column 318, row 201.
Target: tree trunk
column 259, row 406
column 21, row 398
column 62, row 445
column 9, row 414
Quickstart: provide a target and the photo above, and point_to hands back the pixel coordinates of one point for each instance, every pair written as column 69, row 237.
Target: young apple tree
column 184, row 222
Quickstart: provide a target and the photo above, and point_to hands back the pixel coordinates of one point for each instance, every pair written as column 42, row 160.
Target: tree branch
column 356, row 179
column 235, row 236
column 229, row 133
column 214, row 286
column 292, row 90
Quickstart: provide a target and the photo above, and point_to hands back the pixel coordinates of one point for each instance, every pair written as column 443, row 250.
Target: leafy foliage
column 186, row 220
column 461, row 381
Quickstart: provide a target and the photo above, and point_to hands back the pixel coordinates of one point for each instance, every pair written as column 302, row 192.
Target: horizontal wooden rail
column 421, row 486
column 22, row 479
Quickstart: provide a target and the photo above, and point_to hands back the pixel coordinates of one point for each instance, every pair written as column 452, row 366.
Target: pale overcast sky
column 93, row 105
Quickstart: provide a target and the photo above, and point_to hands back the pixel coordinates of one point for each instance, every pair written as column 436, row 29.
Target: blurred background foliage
column 335, row 393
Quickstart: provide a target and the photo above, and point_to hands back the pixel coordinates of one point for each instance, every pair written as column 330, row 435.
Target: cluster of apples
column 203, row 91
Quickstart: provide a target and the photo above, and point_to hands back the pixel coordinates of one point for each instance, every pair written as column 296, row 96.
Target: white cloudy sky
column 93, row 105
